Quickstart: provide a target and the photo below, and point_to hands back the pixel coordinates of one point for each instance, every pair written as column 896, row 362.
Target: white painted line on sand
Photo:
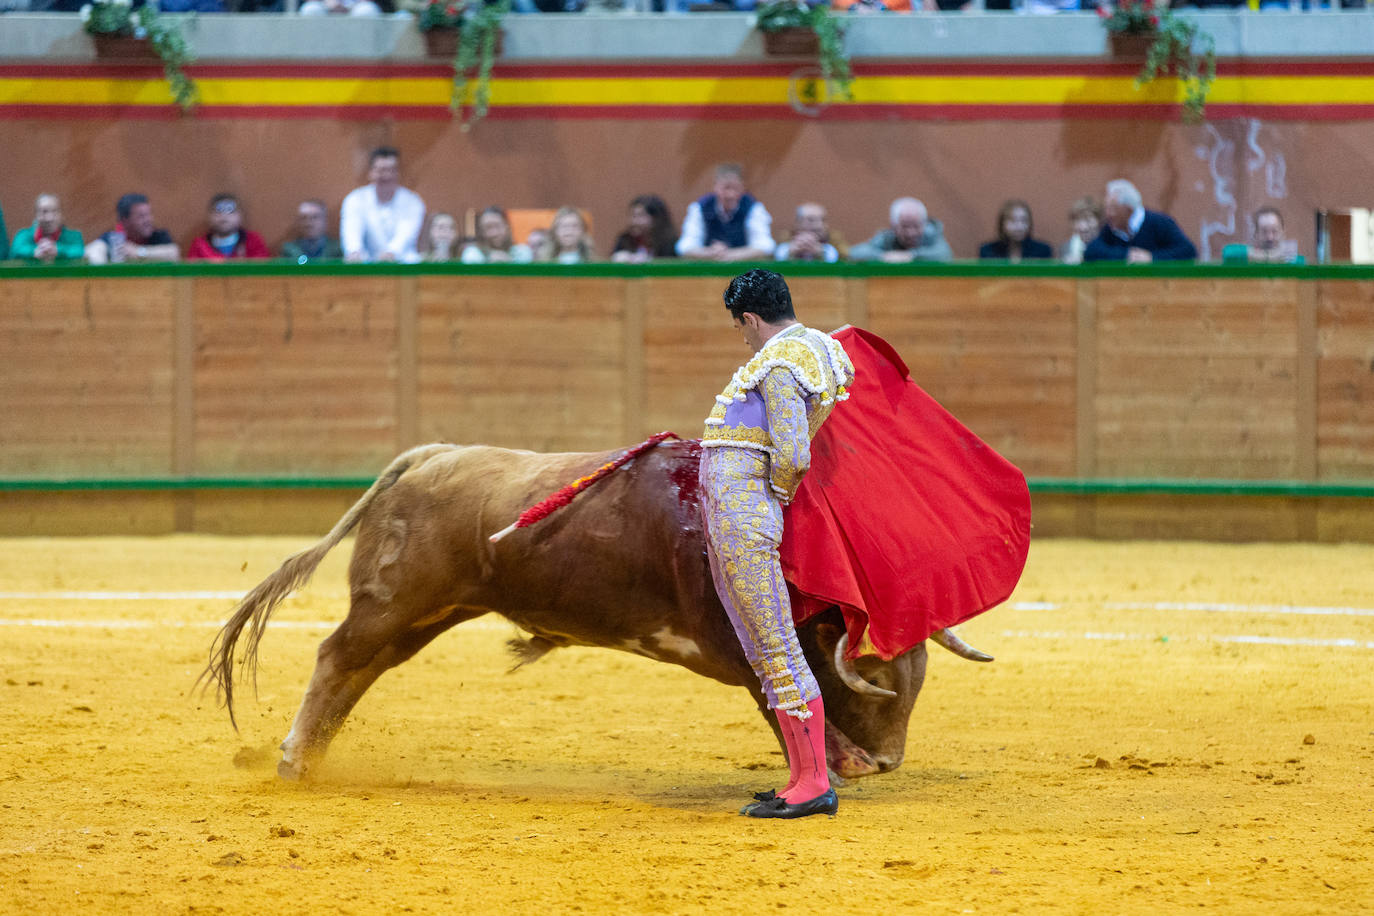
column 1204, row 606
column 1337, row 643
column 480, row 623
column 121, row 596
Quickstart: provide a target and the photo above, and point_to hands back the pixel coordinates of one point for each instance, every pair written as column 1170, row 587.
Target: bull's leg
column 348, row 662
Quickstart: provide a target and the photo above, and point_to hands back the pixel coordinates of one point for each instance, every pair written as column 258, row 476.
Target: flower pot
column 793, row 41
column 444, row 42
column 123, row 47
column 1131, row 45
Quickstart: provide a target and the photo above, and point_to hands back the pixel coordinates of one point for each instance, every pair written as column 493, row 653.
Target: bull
column 623, row 567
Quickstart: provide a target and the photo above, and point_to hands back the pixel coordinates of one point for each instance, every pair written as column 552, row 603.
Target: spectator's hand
column 804, row 245
column 355, row 257
column 1138, row 256
column 386, row 257
column 717, row 251
column 899, row 257
column 45, row 250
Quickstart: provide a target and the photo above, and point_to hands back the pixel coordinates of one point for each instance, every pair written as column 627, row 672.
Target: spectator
column 568, row 241
column 537, row 239
column 494, row 243
column 728, row 224
column 381, row 221
column 1271, row 246
column 442, row 243
column 649, row 235
column 1085, row 221
column 1014, row 241
column 810, row 239
column 913, row 236
column 312, row 241
column 1135, row 235
column 135, row 237
column 227, row 239
column 47, row 239
column 340, row 8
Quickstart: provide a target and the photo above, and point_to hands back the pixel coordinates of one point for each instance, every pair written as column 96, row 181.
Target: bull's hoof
column 290, row 772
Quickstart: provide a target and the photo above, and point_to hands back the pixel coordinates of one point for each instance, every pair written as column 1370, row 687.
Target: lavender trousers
column 743, row 531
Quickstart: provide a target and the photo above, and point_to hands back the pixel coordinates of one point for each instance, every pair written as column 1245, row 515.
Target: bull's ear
column 827, row 635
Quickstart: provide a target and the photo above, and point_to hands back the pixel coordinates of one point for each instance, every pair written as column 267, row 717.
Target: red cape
column 906, row 520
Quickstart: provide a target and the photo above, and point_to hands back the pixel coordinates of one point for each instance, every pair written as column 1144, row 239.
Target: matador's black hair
column 762, row 292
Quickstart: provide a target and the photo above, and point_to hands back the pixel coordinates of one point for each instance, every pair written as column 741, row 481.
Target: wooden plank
column 1345, row 380
column 295, row 375
column 87, row 382
column 1208, row 518
column 1197, row 378
column 523, row 362
column 1085, row 401
column 635, row 303
column 407, row 363
column 997, row 353
column 184, row 395
column 856, row 301
column 81, row 513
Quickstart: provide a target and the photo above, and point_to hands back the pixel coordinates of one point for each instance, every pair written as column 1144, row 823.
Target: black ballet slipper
column 825, row 803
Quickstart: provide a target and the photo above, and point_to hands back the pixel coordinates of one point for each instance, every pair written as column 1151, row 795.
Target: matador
column 755, row 450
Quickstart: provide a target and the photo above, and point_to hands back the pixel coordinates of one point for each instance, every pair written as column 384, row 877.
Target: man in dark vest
column 728, row 224
column 1135, row 235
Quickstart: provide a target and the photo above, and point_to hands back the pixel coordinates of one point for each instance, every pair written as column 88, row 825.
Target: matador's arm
column 789, row 430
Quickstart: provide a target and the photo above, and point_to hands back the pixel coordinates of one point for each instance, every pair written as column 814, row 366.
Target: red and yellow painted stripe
column 1320, row 90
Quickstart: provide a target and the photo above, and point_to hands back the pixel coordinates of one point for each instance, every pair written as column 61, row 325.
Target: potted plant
column 469, row 33
column 119, row 30
column 793, row 28
column 1147, row 28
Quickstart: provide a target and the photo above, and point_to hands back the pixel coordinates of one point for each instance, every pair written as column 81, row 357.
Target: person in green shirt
column 47, row 240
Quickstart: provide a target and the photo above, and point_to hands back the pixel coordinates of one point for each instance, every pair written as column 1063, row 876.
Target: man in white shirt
column 728, row 224
column 381, row 221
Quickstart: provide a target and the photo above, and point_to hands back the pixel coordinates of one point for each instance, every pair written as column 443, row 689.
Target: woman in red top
column 227, row 238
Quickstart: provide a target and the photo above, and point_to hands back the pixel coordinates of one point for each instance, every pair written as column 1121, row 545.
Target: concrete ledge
column 714, row 37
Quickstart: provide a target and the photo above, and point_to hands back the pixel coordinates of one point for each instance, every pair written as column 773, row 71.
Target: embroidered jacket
column 777, row 401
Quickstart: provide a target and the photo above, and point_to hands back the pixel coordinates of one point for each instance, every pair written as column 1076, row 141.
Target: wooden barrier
column 1182, row 373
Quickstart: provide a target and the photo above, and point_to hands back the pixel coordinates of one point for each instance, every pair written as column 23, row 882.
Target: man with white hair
column 1135, row 235
column 912, row 236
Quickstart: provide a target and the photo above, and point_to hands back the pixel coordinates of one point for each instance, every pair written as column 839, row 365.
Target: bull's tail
column 257, row 606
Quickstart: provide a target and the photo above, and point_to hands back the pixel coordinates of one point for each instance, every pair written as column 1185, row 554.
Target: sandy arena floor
column 1124, row 754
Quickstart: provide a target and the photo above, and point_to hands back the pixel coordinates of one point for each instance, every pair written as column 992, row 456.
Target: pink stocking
column 809, row 776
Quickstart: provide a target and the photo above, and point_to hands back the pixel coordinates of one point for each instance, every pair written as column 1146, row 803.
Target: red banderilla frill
column 547, row 507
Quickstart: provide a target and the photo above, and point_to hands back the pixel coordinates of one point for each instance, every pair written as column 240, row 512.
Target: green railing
column 669, row 268
column 1063, row 486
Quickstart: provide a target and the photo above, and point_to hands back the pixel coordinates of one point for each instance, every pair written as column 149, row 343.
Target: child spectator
column 494, row 243
column 1014, row 241
column 649, row 235
column 227, row 239
column 568, row 241
column 442, row 241
column 1085, row 221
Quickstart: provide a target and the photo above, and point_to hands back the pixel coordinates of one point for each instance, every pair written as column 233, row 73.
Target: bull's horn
column 845, row 669
column 956, row 645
